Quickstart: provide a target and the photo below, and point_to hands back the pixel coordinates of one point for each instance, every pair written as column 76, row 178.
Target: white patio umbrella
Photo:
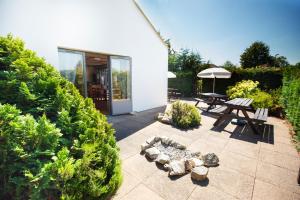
column 171, row 75
column 215, row 72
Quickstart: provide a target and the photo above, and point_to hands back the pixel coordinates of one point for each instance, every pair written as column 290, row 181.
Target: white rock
column 177, row 167
column 197, row 162
column 160, row 116
column 152, row 153
column 199, row 173
column 151, row 140
column 166, row 140
column 145, row 146
column 163, row 158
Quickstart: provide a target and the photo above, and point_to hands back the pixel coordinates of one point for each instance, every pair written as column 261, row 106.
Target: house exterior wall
column 114, row 27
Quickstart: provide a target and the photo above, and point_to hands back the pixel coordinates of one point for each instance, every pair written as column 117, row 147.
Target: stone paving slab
column 251, row 166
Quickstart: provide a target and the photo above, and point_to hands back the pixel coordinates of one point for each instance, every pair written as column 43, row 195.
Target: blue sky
column 220, row 30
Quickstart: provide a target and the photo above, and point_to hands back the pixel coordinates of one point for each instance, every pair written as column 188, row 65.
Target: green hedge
column 54, row 144
column 291, row 97
column 183, row 82
column 269, row 78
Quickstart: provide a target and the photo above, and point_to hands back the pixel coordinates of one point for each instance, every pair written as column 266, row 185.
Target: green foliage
column 291, row 95
column 277, row 108
column 242, row 89
column 279, row 61
column 257, row 54
column 249, row 89
column 185, row 115
column 188, row 63
column 268, row 77
column 54, row 143
column 261, row 99
column 229, row 64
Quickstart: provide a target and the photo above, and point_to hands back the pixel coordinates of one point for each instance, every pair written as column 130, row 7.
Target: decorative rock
column 193, row 162
column 145, row 146
column 197, row 162
column 166, row 140
column 166, row 120
column 189, row 165
column 163, row 158
column 176, row 167
column 199, row 173
column 178, row 146
column 151, row 140
column 197, row 154
column 152, row 153
column 211, row 160
column 167, row 167
column 160, row 116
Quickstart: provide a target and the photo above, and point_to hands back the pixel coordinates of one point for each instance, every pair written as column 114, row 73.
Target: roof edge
column 149, row 22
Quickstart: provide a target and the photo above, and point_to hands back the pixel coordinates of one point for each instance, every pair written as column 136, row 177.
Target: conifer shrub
column 54, row 144
column 184, row 115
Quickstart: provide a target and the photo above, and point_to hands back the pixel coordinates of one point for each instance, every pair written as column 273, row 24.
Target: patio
column 251, row 166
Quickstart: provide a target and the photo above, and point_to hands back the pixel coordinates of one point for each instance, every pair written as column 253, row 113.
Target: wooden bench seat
column 219, row 110
column 261, row 114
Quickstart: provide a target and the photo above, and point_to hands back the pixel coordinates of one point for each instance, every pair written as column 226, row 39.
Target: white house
column 107, row 48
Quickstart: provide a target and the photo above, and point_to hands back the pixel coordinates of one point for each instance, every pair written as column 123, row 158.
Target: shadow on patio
column 126, row 125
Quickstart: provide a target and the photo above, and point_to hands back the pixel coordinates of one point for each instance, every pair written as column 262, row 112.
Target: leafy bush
column 249, row 89
column 185, row 115
column 291, row 95
column 54, row 143
column 242, row 89
column 277, row 108
column 261, row 99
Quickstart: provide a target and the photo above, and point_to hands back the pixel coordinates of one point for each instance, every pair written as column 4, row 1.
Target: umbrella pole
column 214, row 85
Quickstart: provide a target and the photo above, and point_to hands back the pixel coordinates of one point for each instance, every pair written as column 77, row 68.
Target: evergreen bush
column 54, row 143
column 185, row 115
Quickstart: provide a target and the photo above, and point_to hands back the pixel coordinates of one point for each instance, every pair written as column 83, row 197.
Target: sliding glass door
column 121, row 84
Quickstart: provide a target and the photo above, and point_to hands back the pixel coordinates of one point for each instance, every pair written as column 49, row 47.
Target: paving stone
column 232, row 182
column 216, row 140
column 210, row 193
column 139, row 166
column 279, row 176
column 176, row 188
column 129, row 182
column 244, row 148
column 263, row 191
column 279, row 159
column 288, row 149
column 239, row 162
column 202, row 146
column 141, row 192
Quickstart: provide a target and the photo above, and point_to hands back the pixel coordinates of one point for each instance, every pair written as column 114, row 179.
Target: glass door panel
column 71, row 67
column 121, row 84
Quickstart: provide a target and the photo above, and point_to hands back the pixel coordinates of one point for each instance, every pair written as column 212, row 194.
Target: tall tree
column 279, row 61
column 228, row 64
column 256, row 55
column 190, row 61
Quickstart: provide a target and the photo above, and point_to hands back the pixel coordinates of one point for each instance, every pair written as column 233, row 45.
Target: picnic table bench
column 241, row 104
column 212, row 99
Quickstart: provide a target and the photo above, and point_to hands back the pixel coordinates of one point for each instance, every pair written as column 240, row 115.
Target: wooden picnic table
column 173, row 93
column 212, row 99
column 241, row 104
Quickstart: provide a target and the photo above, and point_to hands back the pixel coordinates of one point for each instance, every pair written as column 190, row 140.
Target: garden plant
column 54, row 144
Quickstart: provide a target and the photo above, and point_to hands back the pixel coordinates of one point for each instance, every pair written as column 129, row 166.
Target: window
column 71, row 67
